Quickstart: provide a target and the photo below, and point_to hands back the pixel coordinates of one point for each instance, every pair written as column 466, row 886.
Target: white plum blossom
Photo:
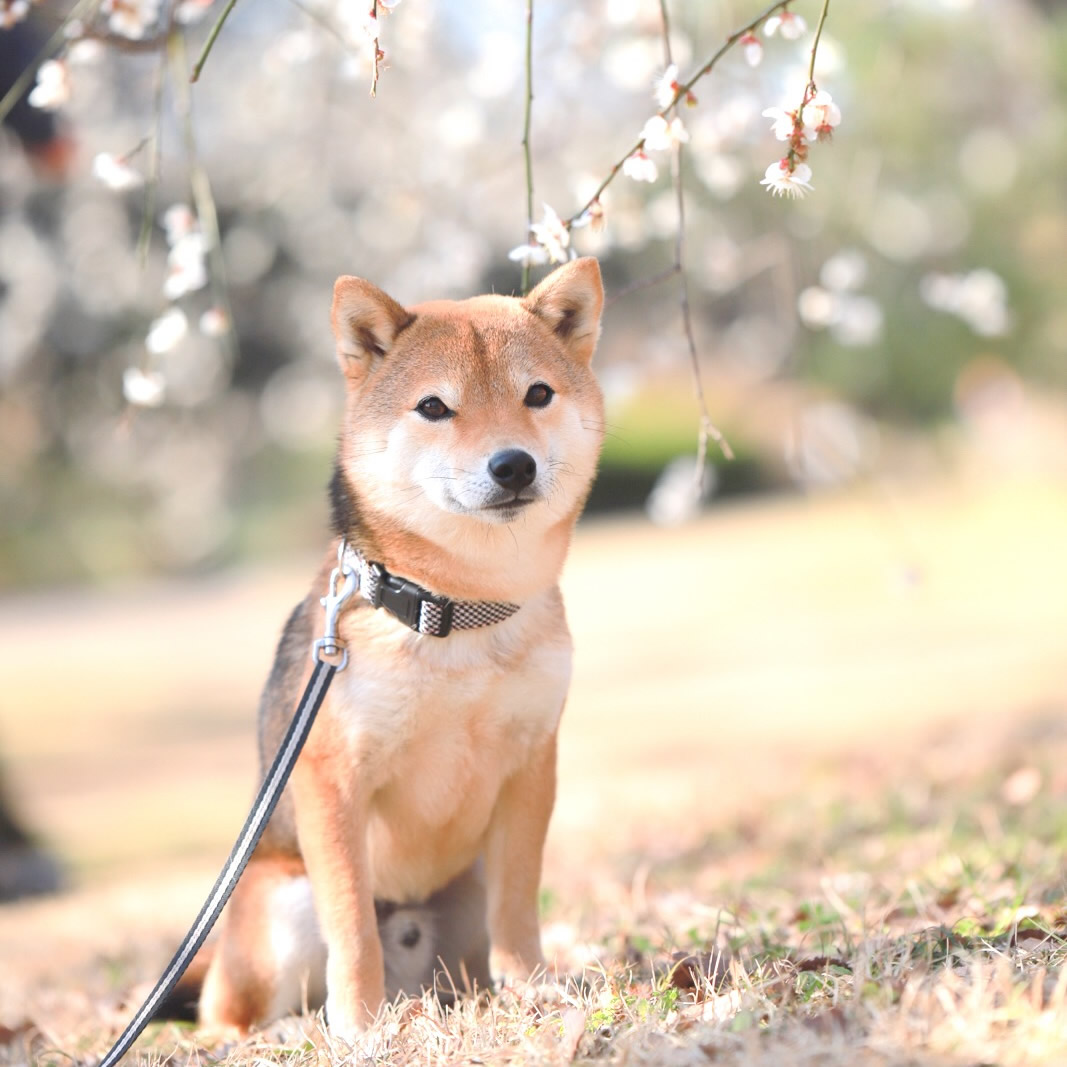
column 789, row 25
column 12, row 12
column 186, row 264
column 84, row 51
column 550, row 243
column 115, row 172
column 553, row 236
column 166, row 331
column 529, row 255
column 752, row 49
column 666, row 86
column 178, row 221
column 659, row 134
column 359, row 17
column 639, row 167
column 783, row 124
column 214, row 322
column 143, row 388
column 52, row 90
column 131, row 18
column 783, row 181
column 820, row 116
column 815, row 121
column 189, row 12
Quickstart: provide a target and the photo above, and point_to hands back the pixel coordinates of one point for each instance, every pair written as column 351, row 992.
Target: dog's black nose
column 512, row 468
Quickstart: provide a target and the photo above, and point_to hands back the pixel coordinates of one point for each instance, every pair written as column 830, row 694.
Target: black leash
column 265, row 802
column 262, row 808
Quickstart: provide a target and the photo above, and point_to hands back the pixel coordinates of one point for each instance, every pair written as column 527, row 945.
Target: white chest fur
column 434, row 726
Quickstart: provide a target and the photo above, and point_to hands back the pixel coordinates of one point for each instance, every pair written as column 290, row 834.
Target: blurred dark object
column 47, row 144
column 26, row 869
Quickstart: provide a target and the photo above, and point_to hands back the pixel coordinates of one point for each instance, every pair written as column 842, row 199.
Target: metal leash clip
column 329, row 648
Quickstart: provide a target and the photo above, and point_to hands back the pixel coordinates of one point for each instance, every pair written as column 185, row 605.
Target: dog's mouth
column 511, row 504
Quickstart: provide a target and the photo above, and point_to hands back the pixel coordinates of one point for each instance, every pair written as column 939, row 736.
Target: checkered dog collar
column 425, row 612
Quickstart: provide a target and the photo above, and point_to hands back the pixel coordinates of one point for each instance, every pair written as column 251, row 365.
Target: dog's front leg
column 331, row 820
column 514, row 849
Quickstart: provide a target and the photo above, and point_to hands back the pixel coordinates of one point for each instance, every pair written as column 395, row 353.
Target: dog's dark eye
column 538, row 395
column 433, row 408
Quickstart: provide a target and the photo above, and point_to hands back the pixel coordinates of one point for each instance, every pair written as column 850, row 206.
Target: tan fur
column 430, row 756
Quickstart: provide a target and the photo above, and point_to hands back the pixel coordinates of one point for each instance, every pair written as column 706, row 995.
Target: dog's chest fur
column 431, row 728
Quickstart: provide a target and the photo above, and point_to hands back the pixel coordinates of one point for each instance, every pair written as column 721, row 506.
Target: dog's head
column 465, row 416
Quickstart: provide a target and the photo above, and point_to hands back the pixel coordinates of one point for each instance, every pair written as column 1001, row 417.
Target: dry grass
column 854, row 786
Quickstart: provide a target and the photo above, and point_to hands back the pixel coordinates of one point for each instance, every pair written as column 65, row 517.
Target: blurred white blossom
column 165, row 332
column 844, row 271
column 214, row 322
column 659, row 134
column 679, row 492
column 788, row 24
column 131, row 18
column 115, row 172
column 186, row 260
column 191, row 11
column 145, row 389
column 178, row 220
column 52, row 90
column 979, row 298
column 12, row 12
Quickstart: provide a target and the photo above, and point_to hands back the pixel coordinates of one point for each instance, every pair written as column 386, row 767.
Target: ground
column 825, row 736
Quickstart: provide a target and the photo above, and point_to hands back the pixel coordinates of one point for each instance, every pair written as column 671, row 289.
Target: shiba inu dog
column 409, row 840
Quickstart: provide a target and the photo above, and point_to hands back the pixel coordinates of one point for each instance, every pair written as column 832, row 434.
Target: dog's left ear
column 365, row 323
column 569, row 301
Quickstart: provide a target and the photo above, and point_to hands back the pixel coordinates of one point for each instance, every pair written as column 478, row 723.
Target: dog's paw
column 350, row 1033
column 542, row 987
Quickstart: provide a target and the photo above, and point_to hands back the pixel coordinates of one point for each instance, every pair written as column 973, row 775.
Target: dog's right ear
column 365, row 324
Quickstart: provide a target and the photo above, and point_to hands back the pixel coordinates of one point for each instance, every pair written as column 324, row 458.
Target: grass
column 849, row 790
column 904, row 919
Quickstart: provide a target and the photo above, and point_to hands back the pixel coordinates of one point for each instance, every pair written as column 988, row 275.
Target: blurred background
column 886, row 357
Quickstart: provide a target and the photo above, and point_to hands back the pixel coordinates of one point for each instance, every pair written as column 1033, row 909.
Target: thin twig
column 526, row 140
column 327, row 24
column 211, row 38
column 118, row 42
column 815, row 43
column 642, row 283
column 683, row 91
column 809, row 86
column 203, row 198
column 378, row 53
column 708, row 429
column 155, row 138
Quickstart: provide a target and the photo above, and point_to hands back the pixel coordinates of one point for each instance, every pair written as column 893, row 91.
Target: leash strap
column 265, row 802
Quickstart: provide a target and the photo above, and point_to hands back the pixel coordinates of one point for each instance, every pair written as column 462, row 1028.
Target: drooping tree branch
column 527, row 152
column 681, row 93
column 708, row 429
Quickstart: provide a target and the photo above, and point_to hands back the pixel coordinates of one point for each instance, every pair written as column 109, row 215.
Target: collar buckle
column 405, row 600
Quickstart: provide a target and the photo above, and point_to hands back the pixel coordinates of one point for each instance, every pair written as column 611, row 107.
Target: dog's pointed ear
column 365, row 324
column 569, row 301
